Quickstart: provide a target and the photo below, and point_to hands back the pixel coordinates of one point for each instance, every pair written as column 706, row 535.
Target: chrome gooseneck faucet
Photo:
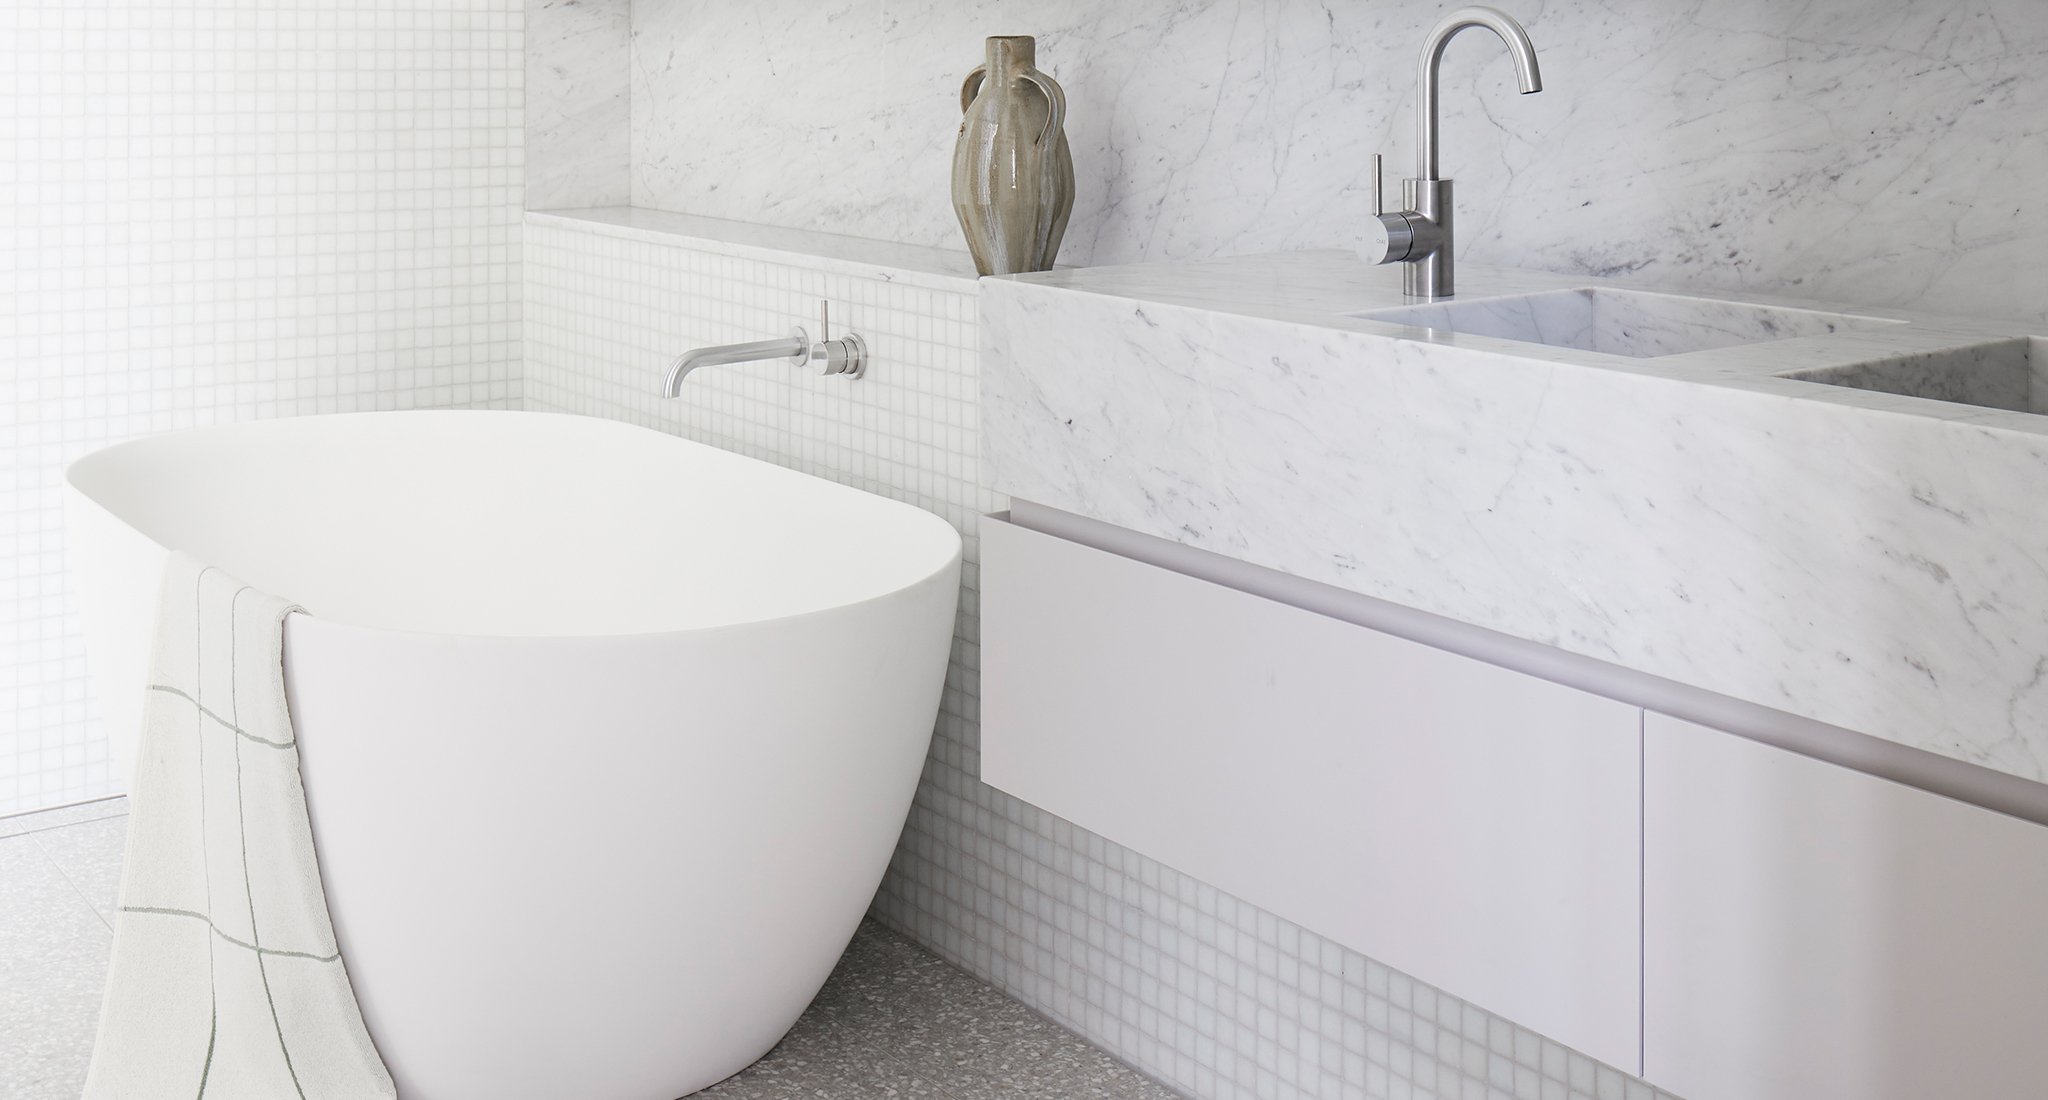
column 847, row 355
column 1420, row 236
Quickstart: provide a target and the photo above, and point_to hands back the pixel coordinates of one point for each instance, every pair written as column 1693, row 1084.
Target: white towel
column 226, row 983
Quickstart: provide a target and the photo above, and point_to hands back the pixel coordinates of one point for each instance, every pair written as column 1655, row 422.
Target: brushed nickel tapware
column 1420, row 236
column 1013, row 175
column 847, row 355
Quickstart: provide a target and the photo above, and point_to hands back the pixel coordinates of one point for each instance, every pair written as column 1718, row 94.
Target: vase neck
column 1011, row 53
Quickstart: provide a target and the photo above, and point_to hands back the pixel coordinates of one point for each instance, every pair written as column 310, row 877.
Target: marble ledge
column 1869, row 560
column 911, row 265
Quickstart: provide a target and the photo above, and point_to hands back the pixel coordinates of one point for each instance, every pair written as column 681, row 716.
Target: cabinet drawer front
column 1474, row 827
column 1813, row 931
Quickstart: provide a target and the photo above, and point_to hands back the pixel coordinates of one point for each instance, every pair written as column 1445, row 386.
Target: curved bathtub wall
column 648, row 876
column 607, row 737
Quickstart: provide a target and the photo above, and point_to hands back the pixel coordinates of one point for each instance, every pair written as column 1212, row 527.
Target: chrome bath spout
column 847, row 355
column 1420, row 236
column 796, row 347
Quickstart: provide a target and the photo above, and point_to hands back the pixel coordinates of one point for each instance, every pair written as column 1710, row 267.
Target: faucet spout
column 1420, row 236
column 1520, row 49
column 796, row 348
column 846, row 356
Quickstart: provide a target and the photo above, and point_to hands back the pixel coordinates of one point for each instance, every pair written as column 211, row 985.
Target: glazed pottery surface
column 1013, row 176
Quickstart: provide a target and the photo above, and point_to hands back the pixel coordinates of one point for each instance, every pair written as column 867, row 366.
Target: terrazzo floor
column 893, row 1021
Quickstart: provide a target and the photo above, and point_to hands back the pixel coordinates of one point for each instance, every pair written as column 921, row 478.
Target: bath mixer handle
column 847, row 355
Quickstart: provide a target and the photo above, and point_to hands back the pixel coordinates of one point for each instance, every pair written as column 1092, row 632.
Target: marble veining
column 578, row 82
column 1867, row 559
column 1879, row 152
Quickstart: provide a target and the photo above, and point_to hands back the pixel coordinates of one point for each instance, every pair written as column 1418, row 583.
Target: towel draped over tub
column 226, row 981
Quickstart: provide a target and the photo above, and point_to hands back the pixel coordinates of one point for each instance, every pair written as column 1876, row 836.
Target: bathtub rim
column 951, row 559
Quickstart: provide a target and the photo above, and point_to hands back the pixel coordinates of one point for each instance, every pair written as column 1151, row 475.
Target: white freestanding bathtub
column 607, row 736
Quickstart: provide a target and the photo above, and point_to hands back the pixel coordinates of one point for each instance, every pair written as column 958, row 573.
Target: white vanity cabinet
column 1475, row 827
column 1812, row 931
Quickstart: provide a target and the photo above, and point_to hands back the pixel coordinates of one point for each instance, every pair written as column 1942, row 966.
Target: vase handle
column 1055, row 99
column 971, row 87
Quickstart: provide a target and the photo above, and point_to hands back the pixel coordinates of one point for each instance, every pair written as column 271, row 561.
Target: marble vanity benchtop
column 917, row 265
column 1872, row 561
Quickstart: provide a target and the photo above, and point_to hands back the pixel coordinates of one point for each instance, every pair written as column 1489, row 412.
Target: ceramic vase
column 1013, row 178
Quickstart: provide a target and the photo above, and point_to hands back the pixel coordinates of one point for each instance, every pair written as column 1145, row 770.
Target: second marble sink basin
column 1622, row 322
column 2002, row 374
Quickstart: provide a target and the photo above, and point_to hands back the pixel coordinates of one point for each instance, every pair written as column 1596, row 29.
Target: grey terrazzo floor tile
column 953, row 1030
column 18, row 824
column 894, row 1022
column 985, row 1045
column 879, row 969
column 53, row 970
column 89, row 853
column 817, row 1059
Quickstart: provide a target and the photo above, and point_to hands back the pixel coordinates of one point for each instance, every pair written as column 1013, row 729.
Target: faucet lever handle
column 1392, row 237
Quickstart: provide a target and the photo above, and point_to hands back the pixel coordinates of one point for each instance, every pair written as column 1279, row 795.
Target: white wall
column 1883, row 152
column 214, row 212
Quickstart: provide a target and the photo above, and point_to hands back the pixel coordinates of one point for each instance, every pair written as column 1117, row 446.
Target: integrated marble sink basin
column 2009, row 374
column 2003, row 374
column 1623, row 322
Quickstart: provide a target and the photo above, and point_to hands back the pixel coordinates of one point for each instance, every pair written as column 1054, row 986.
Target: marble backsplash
column 1881, row 152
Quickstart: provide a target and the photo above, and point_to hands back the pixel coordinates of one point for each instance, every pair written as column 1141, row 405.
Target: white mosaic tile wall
column 1208, row 994
column 217, row 210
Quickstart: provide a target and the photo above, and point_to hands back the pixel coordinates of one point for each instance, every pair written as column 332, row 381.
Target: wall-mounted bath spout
column 847, row 355
column 796, row 348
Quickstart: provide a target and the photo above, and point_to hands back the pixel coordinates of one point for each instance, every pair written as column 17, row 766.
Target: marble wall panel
column 577, row 141
column 1880, row 152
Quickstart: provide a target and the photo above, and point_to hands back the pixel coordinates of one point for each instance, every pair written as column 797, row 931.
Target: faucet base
column 1429, row 274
